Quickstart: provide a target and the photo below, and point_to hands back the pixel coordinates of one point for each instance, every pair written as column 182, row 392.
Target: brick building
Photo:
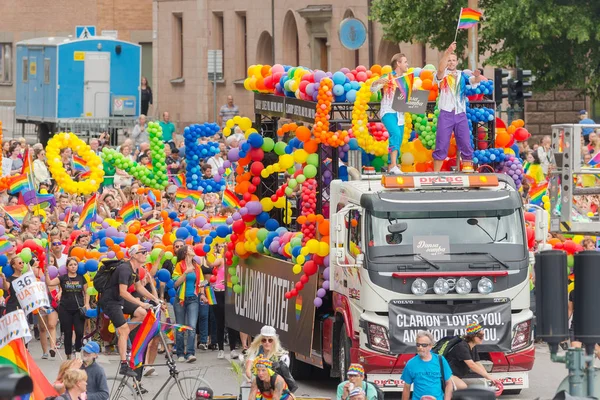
column 27, row 19
column 305, row 34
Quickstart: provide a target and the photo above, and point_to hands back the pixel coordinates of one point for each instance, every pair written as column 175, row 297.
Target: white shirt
column 387, row 100
column 450, row 99
column 215, row 163
column 545, row 157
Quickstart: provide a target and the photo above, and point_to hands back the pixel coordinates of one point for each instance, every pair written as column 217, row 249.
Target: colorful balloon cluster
column 194, row 152
column 424, row 80
column 156, row 177
column 244, row 123
column 426, row 127
column 506, row 137
column 55, row 165
column 360, row 123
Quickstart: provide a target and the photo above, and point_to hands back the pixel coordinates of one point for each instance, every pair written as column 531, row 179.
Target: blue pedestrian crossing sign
column 85, row 32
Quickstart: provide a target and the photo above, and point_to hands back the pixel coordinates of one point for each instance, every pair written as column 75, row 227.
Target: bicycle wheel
column 120, row 390
column 185, row 388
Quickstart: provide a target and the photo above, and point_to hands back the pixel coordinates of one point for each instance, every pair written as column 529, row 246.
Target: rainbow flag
column 45, row 200
column 79, row 164
column 537, row 192
column 26, row 169
column 187, row 195
column 218, row 220
column 17, row 213
column 5, row 246
column 167, row 329
column 526, row 167
column 67, row 215
column 85, row 175
column 178, row 180
column 147, row 330
column 88, row 212
column 210, row 295
column 18, row 184
column 230, row 199
column 130, row 212
column 150, row 227
column 405, row 85
column 15, row 355
column 298, row 307
column 468, row 18
column 595, row 161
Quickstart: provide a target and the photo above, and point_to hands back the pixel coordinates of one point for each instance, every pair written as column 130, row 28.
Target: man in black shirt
column 464, row 357
column 117, row 301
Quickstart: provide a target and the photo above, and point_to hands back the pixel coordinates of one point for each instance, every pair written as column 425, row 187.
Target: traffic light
column 525, row 81
column 500, row 84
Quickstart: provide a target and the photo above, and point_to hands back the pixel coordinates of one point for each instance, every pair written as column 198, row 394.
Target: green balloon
column 200, row 205
column 310, row 171
column 300, row 179
column 292, row 183
column 154, row 254
column 280, row 148
column 234, row 279
column 237, row 289
column 235, row 261
column 377, row 163
column 268, row 144
column 262, row 234
column 313, row 159
column 231, row 270
column 168, row 255
column 25, row 255
column 289, row 191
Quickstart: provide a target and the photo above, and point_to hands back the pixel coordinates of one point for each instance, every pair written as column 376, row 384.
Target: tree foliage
column 559, row 40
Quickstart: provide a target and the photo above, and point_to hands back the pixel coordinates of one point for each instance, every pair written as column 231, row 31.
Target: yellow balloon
column 267, row 204
column 245, row 123
column 296, row 269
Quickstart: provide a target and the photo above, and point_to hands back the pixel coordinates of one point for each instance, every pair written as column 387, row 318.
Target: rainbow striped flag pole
column 468, row 18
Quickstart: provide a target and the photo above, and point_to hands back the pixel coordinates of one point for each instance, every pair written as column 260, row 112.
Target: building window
column 241, row 46
column 5, row 62
column 25, row 69
column 177, row 46
column 47, row 71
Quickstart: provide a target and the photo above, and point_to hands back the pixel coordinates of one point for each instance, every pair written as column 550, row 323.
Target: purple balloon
column 217, row 177
column 147, row 246
column 2, row 230
column 274, row 247
column 111, row 254
column 234, row 154
column 226, row 164
column 221, row 171
column 319, row 75
column 321, row 292
column 207, row 227
column 197, row 259
column 200, row 221
column 62, row 270
column 105, row 225
column 52, row 272
column 111, row 232
column 326, row 285
column 61, row 216
column 326, row 260
column 229, row 221
column 236, row 216
column 325, row 271
column 99, row 219
column 243, row 211
column 254, row 207
column 1, row 281
column 318, row 302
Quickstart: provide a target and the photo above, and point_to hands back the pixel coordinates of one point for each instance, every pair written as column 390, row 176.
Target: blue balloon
column 222, row 231
column 163, row 275
column 91, row 313
column 339, row 78
column 8, row 271
column 172, row 293
column 81, row 269
column 353, row 143
column 262, row 217
column 91, row 265
column 170, row 284
column 3, row 260
column 182, row 233
column 272, row 224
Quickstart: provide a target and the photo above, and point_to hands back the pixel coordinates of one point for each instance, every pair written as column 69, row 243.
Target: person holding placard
column 453, row 107
column 12, row 303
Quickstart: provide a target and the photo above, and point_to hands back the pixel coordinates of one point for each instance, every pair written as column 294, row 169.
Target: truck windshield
column 460, row 228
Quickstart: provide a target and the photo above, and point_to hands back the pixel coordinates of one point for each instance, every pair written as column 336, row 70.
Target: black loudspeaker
column 473, row 394
column 586, row 299
column 551, row 297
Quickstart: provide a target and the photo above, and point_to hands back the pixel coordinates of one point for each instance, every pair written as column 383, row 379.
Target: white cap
column 268, row 331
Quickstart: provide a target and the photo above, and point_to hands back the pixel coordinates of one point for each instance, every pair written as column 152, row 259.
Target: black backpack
column 446, row 344
column 105, row 271
column 377, row 389
column 282, row 369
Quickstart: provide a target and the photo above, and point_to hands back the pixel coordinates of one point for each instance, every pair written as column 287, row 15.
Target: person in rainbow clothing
column 453, row 106
column 393, row 120
column 267, row 384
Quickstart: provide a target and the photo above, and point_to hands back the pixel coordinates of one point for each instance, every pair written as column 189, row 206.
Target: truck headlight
column 521, row 335
column 441, row 286
column 378, row 338
column 485, row 286
column 463, row 286
column 419, row 287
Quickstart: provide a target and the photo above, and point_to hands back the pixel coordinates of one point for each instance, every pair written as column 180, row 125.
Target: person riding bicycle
column 464, row 356
column 116, row 301
column 267, row 384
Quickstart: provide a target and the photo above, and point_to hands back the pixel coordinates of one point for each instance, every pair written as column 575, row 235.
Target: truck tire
column 343, row 353
column 298, row 369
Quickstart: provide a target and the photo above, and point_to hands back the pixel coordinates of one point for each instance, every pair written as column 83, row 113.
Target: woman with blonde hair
column 266, row 345
column 64, row 367
column 75, row 381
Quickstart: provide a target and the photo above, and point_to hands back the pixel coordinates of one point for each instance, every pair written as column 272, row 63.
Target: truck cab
column 432, row 252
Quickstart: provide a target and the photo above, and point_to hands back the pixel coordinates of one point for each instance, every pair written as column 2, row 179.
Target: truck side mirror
column 541, row 224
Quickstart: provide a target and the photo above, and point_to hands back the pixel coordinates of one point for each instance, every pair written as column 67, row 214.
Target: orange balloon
column 452, row 148
column 420, row 167
column 376, row 69
column 130, row 240
column 120, row 255
column 324, row 228
column 311, row 146
column 301, row 219
column 512, row 129
column 140, row 191
column 78, row 252
column 160, row 246
column 303, row 133
column 427, row 84
column 325, row 239
column 519, row 123
column 109, row 242
column 426, row 74
column 432, row 95
column 166, row 239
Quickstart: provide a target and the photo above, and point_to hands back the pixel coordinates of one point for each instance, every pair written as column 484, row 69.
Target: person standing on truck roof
column 356, row 380
column 427, row 372
column 464, row 357
column 393, row 120
column 453, row 107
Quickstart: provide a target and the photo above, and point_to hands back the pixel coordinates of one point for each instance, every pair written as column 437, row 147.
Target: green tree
column 559, row 40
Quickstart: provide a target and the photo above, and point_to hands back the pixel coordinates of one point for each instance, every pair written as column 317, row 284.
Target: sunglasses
column 19, row 262
column 267, row 340
column 142, row 252
column 423, row 345
column 56, row 243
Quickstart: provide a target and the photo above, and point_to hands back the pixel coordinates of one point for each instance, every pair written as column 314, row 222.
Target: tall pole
column 273, row 29
column 472, row 41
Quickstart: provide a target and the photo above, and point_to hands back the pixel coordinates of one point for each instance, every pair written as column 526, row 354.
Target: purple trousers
column 449, row 122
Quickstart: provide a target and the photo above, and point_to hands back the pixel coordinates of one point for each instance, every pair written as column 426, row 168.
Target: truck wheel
column 343, row 353
column 298, row 369
column 511, row 392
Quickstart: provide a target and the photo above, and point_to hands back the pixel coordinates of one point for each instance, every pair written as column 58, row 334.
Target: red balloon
column 256, row 168
column 304, row 279
column 288, row 295
column 299, row 286
column 310, row 268
column 293, row 292
column 247, row 196
column 239, row 226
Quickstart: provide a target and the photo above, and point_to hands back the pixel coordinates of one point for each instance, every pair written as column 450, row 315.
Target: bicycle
column 182, row 387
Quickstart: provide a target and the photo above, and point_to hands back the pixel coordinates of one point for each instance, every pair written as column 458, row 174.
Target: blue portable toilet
column 60, row 78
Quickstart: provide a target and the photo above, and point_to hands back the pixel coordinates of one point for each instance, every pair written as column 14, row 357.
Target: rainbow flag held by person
column 16, row 213
column 595, row 161
column 537, row 192
column 26, row 169
column 79, row 164
column 210, row 295
column 218, row 220
column 85, row 175
column 88, row 212
column 405, row 85
column 146, row 332
column 187, row 195
column 18, row 184
column 468, row 18
column 167, row 329
column 130, row 212
column 45, row 200
column 230, row 199
column 15, row 355
column 5, row 246
column 178, row 180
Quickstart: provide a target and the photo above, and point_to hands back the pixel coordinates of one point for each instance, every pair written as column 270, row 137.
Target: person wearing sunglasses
column 464, row 357
column 57, row 248
column 424, row 372
column 266, row 345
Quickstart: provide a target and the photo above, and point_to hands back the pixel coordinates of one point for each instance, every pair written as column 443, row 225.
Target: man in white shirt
column 393, row 120
column 453, row 107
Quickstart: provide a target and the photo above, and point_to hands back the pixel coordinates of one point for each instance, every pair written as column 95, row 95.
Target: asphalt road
column 544, row 378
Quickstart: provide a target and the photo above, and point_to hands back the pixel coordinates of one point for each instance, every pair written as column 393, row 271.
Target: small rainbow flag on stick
column 405, row 85
column 218, row 220
column 230, row 199
column 26, row 169
column 210, row 295
column 18, row 184
column 129, row 212
column 79, row 164
column 537, row 192
column 89, row 209
column 5, row 246
column 178, row 180
column 16, row 213
column 468, row 18
column 187, row 195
